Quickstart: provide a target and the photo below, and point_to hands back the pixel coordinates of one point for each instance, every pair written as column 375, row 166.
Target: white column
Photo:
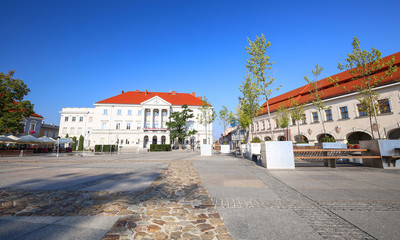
column 160, row 118
column 151, row 118
column 143, row 118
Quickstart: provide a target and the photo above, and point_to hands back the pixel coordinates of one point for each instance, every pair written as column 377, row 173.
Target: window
column 119, row 112
column 263, row 125
column 66, row 119
column 32, row 126
column 293, row 121
column 139, row 112
column 304, row 119
column 72, row 131
column 80, row 119
column 129, row 112
column 315, row 117
column 64, row 131
column 156, row 113
column 384, row 106
column 104, row 125
column 148, row 113
column 328, row 114
column 122, row 141
column 128, row 126
column 79, row 132
column 105, row 112
column 117, row 125
column 90, row 119
column 256, row 126
column 190, row 125
column 147, row 125
column 164, row 113
column 73, row 119
column 361, row 110
column 344, row 112
column 126, row 141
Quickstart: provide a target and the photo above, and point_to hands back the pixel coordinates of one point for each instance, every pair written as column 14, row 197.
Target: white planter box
column 225, row 149
column 255, row 148
column 206, row 149
column 277, row 155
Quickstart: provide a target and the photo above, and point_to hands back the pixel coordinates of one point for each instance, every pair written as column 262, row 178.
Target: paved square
column 181, row 195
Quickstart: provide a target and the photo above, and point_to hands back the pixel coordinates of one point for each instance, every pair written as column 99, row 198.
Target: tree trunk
column 323, row 124
column 298, row 133
column 372, row 130
column 269, row 120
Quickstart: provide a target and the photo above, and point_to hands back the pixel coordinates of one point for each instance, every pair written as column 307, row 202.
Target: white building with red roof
column 134, row 119
column 344, row 121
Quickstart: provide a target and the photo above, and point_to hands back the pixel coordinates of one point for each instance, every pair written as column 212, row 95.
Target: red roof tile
column 137, row 97
column 301, row 94
column 36, row 115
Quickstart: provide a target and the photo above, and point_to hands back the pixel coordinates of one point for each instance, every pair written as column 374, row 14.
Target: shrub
column 160, row 147
column 256, row 140
column 106, row 148
column 328, row 139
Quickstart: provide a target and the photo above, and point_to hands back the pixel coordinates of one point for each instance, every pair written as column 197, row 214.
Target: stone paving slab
column 330, row 203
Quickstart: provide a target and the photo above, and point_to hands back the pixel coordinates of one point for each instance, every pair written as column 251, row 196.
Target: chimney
column 122, row 91
column 173, row 93
column 145, row 93
column 137, row 90
column 194, row 94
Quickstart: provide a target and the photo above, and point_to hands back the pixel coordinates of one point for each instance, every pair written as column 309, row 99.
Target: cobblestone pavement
column 175, row 206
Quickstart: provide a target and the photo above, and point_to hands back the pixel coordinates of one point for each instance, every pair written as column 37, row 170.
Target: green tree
column 249, row 103
column 283, row 119
column 81, row 141
column 73, row 145
column 297, row 114
column 316, row 95
column 66, row 136
column 225, row 117
column 258, row 65
column 177, row 124
column 12, row 107
column 365, row 67
column 207, row 115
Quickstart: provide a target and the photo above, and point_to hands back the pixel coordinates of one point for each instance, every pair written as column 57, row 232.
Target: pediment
column 156, row 101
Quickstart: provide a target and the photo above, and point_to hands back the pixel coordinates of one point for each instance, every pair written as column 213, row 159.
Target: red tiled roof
column 329, row 90
column 36, row 115
column 137, row 97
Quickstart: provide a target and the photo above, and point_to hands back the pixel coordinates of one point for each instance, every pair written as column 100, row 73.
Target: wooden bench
column 330, row 155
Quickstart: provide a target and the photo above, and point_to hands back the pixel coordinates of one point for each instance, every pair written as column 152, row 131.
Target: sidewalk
column 305, row 203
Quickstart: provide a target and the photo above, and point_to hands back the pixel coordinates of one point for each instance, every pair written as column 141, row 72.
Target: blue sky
column 75, row 53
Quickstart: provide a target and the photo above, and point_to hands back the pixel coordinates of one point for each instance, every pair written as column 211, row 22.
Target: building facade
column 49, row 130
column 345, row 121
column 32, row 124
column 133, row 120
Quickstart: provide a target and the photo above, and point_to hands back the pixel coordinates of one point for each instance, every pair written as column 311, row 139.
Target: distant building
column 133, row 119
column 49, row 130
column 32, row 124
column 344, row 121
